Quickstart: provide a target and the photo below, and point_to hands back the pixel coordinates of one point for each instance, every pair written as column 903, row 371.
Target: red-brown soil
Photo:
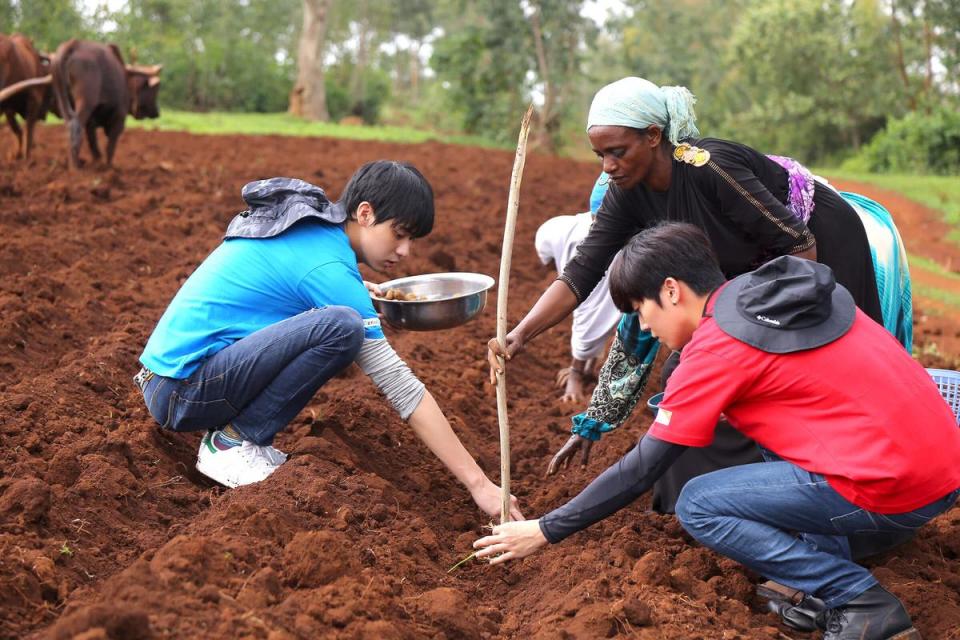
column 106, row 530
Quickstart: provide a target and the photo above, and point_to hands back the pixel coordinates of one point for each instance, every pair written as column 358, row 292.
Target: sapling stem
column 462, row 562
column 506, row 254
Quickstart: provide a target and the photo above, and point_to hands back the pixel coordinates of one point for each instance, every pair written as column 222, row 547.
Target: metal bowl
column 451, row 300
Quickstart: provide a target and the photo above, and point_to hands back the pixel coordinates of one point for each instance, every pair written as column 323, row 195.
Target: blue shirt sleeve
column 338, row 283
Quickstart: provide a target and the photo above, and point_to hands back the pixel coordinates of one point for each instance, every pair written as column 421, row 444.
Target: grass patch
column 941, row 193
column 930, row 265
column 943, row 296
column 940, row 295
column 224, row 123
column 950, row 298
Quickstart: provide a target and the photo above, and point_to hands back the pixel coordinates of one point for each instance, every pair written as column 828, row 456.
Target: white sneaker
column 236, row 466
column 273, row 454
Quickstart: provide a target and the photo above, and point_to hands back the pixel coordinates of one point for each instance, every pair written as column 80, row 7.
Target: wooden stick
column 513, row 204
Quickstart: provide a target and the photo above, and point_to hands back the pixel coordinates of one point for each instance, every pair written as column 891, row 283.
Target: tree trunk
column 357, row 78
column 928, row 46
column 901, row 65
column 543, row 137
column 308, row 98
column 415, row 72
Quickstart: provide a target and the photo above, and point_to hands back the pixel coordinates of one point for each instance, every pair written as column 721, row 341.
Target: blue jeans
column 261, row 382
column 754, row 512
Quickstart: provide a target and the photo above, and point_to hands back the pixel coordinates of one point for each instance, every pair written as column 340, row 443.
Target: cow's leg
column 76, row 139
column 15, row 127
column 114, row 129
column 92, row 141
column 77, row 124
column 33, row 114
column 31, row 121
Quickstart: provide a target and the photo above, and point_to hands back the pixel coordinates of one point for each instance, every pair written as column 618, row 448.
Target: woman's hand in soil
column 572, row 382
column 511, row 540
column 487, row 497
column 514, row 346
column 576, row 444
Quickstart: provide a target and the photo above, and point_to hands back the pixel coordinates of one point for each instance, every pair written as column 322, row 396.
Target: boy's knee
column 350, row 324
column 691, row 507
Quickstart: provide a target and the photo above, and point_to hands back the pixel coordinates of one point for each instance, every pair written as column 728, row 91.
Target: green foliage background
column 870, row 81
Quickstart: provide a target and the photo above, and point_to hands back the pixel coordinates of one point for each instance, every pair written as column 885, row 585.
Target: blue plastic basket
column 949, row 384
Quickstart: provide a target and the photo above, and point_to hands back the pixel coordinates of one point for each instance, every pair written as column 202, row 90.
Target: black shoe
column 796, row 609
column 807, row 615
column 875, row 614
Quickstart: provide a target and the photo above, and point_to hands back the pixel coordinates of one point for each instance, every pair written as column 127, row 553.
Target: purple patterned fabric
column 801, row 183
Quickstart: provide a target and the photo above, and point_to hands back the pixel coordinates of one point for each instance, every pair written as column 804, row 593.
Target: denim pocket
column 904, row 521
column 195, row 415
column 919, row 517
column 171, row 399
column 157, row 395
column 859, row 521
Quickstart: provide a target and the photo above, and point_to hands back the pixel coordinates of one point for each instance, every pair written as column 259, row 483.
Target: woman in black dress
column 747, row 203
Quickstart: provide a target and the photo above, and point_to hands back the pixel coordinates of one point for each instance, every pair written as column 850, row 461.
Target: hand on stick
column 568, row 451
column 510, row 541
column 514, row 346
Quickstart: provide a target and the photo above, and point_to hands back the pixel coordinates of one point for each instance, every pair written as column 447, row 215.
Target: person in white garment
column 594, row 320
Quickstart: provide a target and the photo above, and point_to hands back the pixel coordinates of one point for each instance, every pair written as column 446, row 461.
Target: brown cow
column 93, row 89
column 20, row 61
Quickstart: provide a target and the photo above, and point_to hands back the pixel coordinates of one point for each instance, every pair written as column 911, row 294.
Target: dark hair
column 397, row 191
column 667, row 250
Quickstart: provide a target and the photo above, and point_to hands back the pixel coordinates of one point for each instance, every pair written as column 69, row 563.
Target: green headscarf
column 638, row 103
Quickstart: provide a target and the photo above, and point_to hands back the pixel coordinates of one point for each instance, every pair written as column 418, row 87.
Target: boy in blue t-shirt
column 279, row 308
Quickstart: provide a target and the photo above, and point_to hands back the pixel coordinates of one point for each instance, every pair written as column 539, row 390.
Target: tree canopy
column 810, row 78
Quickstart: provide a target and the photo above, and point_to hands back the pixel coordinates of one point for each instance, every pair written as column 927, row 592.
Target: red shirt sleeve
column 698, row 391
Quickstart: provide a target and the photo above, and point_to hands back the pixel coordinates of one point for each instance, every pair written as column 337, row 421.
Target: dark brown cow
column 20, row 61
column 94, row 89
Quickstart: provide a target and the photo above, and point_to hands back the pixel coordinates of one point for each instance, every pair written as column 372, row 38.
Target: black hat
column 276, row 204
column 788, row 304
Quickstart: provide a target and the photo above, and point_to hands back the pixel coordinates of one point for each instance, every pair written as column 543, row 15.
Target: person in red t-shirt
column 861, row 449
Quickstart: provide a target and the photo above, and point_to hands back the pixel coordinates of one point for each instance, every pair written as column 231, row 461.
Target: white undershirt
column 596, row 317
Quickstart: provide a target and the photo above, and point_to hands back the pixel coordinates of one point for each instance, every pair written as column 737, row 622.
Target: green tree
column 917, row 143
column 926, row 36
column 7, row 16
column 559, row 33
column 47, row 22
column 944, row 16
column 216, row 56
column 670, row 42
column 356, row 70
column 821, row 91
column 483, row 63
column 411, row 23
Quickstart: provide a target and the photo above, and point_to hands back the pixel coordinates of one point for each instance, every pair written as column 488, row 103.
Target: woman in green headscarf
column 751, row 206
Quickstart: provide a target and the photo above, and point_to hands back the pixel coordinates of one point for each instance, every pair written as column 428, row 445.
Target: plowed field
column 106, row 530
